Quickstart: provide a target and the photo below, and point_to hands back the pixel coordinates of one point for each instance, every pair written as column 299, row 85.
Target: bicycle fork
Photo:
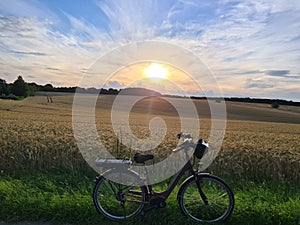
column 203, row 196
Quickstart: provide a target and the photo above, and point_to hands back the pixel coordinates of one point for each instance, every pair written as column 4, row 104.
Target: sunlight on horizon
column 161, row 77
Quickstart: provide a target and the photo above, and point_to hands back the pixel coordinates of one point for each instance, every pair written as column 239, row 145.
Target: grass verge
column 65, row 198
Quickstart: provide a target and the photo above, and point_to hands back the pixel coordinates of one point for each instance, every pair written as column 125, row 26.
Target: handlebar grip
column 179, row 135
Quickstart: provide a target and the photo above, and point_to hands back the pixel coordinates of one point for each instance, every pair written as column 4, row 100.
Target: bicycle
column 203, row 197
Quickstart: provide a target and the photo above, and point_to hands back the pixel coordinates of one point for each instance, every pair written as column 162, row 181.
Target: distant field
column 235, row 110
column 259, row 140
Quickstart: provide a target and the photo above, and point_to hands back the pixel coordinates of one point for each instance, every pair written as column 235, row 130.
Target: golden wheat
column 36, row 135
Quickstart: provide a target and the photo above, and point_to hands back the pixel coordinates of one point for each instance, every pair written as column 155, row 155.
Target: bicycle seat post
column 146, row 176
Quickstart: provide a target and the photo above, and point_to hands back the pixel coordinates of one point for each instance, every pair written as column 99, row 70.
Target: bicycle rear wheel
column 219, row 196
column 119, row 201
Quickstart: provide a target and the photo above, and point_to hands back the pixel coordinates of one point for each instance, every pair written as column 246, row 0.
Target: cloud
column 249, row 72
column 114, row 84
column 250, row 36
column 277, row 73
column 258, row 84
column 270, row 73
column 55, row 69
column 86, row 34
column 28, row 38
column 57, row 84
column 282, row 74
column 30, row 53
column 28, row 8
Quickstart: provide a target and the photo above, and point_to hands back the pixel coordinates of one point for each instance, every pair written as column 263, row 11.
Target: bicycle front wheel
column 119, row 200
column 220, row 199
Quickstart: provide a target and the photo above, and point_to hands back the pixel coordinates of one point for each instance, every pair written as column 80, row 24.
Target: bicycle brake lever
column 176, row 149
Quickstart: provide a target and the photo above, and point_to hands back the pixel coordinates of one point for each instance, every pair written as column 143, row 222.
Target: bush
column 275, row 105
column 10, row 96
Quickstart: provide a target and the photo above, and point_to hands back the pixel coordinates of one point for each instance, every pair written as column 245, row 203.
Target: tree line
column 20, row 89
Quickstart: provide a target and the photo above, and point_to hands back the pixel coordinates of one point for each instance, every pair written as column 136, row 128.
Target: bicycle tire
column 219, row 195
column 117, row 201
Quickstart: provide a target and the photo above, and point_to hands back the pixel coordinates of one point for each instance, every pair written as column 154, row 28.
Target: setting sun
column 156, row 72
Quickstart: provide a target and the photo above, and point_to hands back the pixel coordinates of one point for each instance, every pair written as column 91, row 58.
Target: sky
column 252, row 48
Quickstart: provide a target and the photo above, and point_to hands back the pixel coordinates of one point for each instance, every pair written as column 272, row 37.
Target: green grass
column 65, row 198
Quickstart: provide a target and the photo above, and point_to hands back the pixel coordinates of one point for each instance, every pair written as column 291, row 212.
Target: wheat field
column 259, row 141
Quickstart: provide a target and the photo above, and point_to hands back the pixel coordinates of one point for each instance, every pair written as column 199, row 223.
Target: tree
column 19, row 87
column 47, row 87
column 4, row 87
column 32, row 88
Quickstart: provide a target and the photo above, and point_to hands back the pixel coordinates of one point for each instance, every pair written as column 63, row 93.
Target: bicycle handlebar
column 187, row 142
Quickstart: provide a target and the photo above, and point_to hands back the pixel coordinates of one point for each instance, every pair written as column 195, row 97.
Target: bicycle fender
column 114, row 170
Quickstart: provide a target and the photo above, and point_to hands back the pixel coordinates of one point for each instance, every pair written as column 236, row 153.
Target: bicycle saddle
column 139, row 158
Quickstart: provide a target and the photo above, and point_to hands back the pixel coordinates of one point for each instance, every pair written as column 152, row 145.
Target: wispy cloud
column 28, row 8
column 114, row 84
column 282, row 74
column 278, row 73
column 55, row 69
column 30, row 53
column 28, row 38
column 259, row 83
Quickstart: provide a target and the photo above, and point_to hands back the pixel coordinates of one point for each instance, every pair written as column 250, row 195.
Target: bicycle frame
column 165, row 194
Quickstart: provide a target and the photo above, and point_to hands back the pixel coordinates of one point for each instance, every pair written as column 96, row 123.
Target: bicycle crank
column 158, row 202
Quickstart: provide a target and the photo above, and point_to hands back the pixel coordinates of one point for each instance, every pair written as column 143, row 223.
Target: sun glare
column 156, row 72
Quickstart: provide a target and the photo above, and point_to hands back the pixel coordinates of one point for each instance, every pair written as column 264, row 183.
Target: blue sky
column 252, row 47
